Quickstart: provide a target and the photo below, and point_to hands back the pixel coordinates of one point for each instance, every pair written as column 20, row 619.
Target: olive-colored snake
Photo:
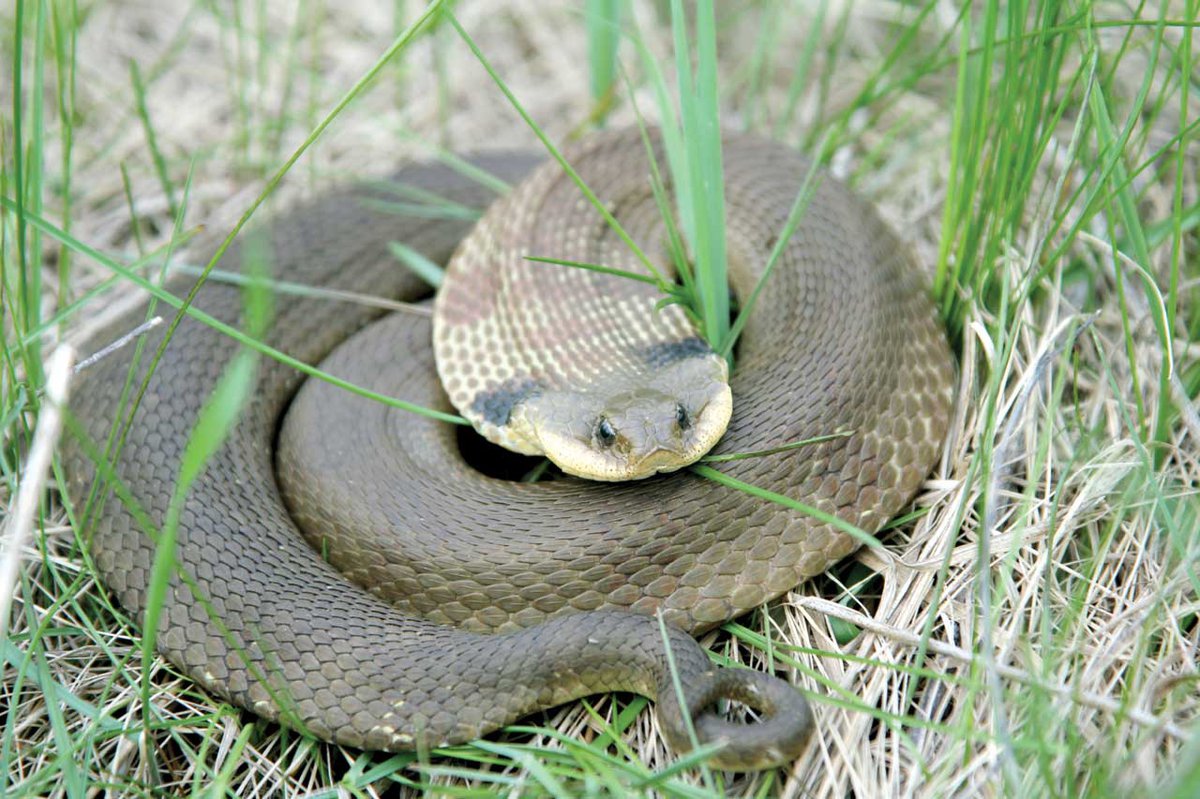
column 843, row 340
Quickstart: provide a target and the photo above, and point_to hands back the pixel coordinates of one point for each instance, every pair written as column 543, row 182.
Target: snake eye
column 682, row 418
column 605, row 433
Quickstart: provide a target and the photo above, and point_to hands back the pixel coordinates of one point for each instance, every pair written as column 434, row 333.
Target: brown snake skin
column 844, row 338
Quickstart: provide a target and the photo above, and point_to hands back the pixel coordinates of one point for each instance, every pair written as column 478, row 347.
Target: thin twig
column 19, row 527
column 305, row 290
column 109, row 349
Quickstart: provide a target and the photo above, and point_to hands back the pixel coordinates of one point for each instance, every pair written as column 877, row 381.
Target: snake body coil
column 355, row 644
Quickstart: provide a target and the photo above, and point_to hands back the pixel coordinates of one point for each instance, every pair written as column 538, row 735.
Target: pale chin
column 579, row 460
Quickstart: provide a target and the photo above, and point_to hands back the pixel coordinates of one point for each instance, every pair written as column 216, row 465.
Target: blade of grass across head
column 601, row 268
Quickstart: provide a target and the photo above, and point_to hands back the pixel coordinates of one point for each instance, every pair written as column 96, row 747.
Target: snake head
column 635, row 425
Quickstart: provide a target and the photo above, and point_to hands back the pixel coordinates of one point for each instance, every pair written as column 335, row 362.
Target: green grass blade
column 418, row 264
column 217, row 418
column 603, row 19
column 265, row 349
column 862, row 536
column 160, row 161
column 759, row 453
column 552, row 149
column 804, row 196
column 675, row 242
column 601, row 268
column 704, row 150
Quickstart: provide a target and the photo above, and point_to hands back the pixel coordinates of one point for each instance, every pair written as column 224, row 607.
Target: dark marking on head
column 496, row 406
column 658, row 356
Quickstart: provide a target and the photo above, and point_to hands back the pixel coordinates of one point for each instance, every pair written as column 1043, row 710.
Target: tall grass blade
column 603, row 21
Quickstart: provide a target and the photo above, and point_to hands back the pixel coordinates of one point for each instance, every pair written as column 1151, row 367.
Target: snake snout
column 778, row 736
column 662, row 431
column 629, row 434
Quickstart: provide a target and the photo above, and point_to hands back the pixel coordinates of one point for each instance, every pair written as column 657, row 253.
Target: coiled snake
column 431, row 603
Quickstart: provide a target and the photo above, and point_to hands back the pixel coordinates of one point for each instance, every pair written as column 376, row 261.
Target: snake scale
column 366, row 584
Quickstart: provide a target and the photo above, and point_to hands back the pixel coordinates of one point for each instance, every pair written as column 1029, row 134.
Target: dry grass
column 1033, row 633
